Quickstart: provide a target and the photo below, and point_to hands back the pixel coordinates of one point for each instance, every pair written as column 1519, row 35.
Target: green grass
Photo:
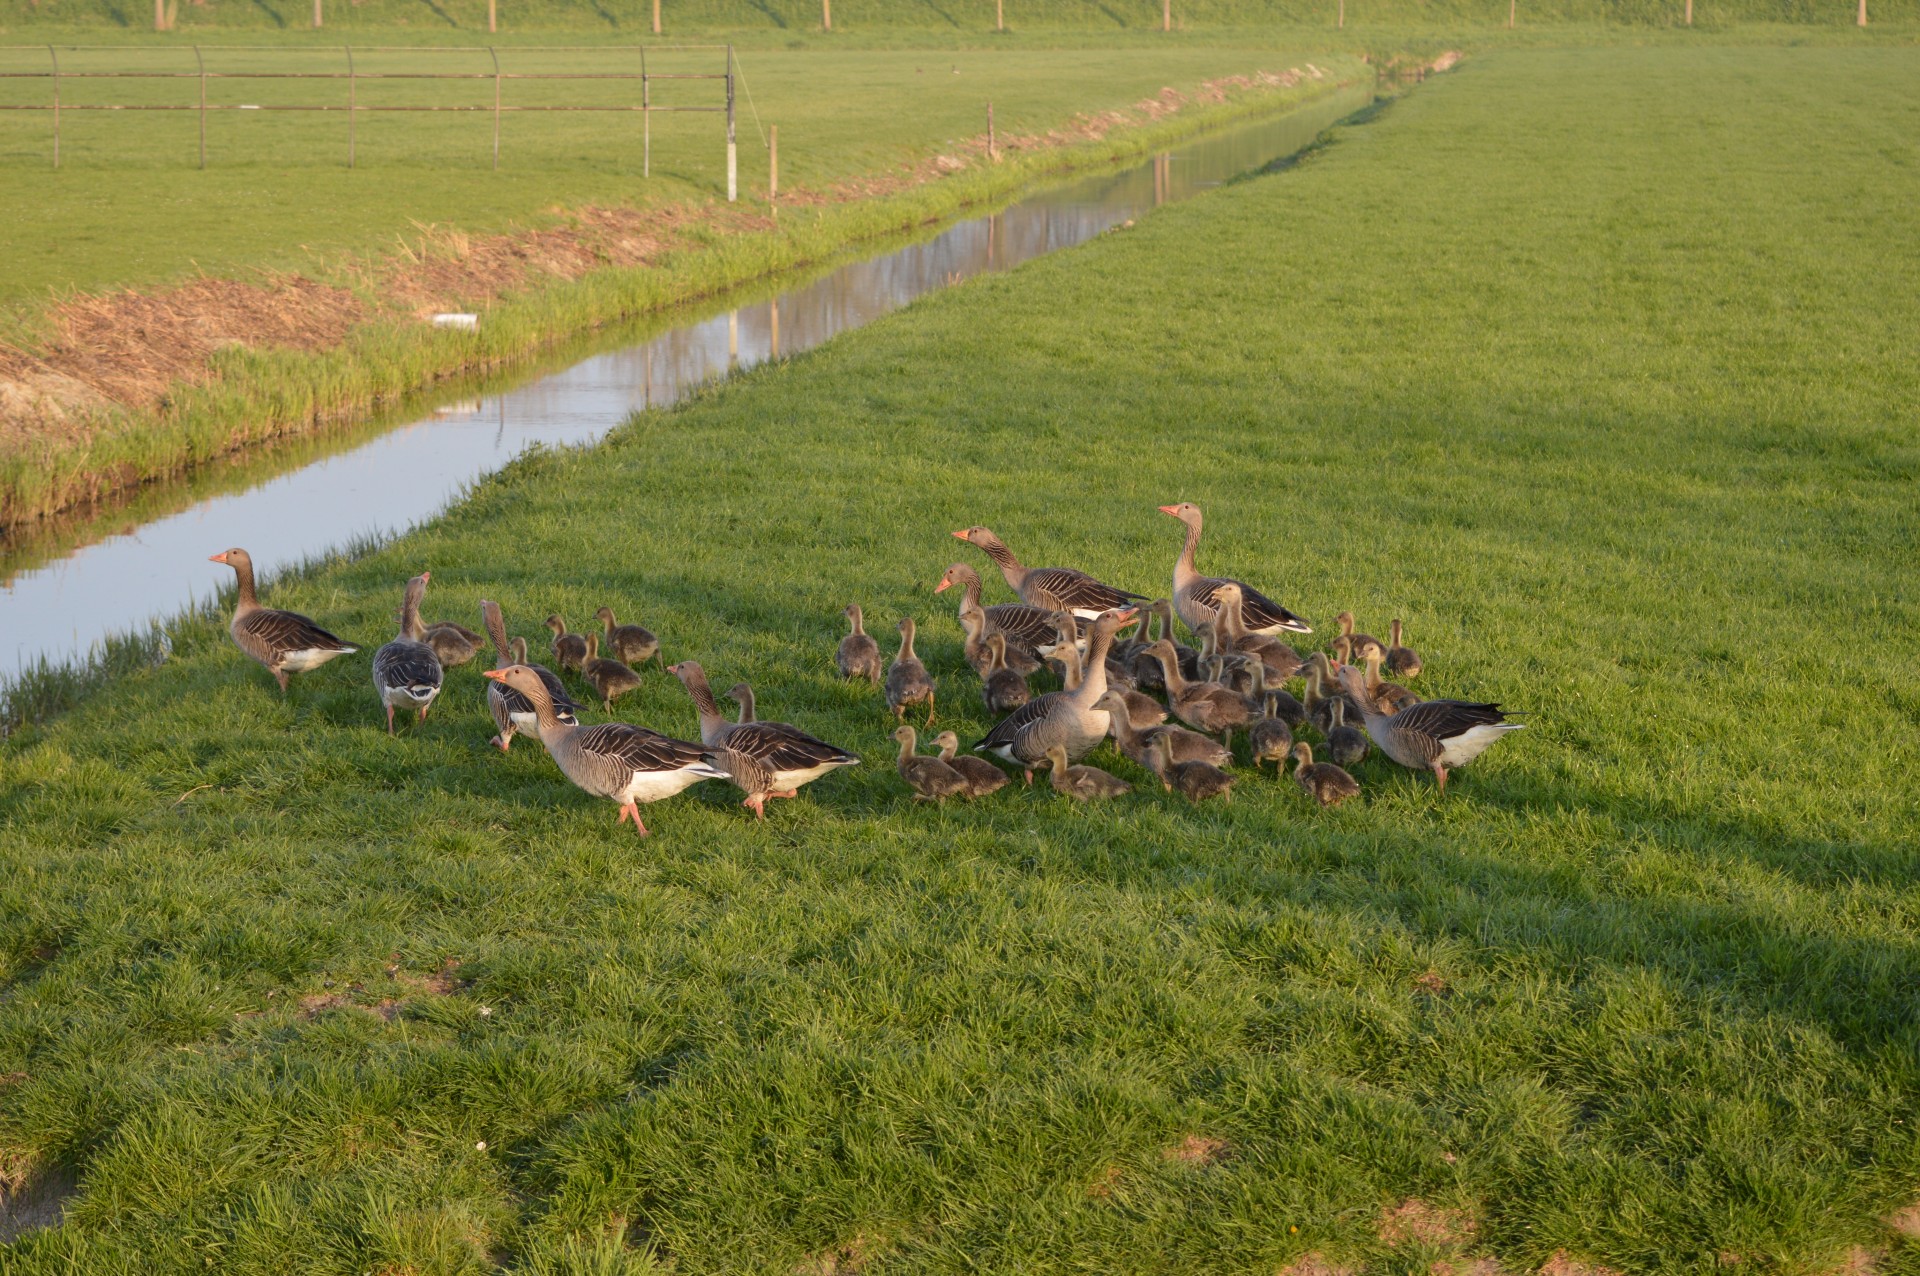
column 1594, row 365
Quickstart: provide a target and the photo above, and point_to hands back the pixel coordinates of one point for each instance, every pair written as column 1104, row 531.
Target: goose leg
column 758, row 804
column 280, row 676
column 1440, row 774
column 389, row 719
column 929, row 708
column 423, row 713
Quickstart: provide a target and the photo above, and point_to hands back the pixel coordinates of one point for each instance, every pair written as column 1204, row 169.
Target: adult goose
column 791, row 755
column 908, row 682
column 406, row 673
column 1434, row 735
column 1069, row 590
column 1193, row 593
column 1072, row 719
column 630, row 644
column 569, row 649
column 283, row 642
column 982, row 776
column 512, row 711
column 1029, row 629
column 858, row 655
column 614, row 760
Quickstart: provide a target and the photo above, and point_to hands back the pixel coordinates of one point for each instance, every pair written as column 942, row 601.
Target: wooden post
column 54, row 54
column 656, row 17
column 999, row 15
column 1689, row 12
column 733, row 337
column 1512, row 6
column 159, row 15
column 1166, row 14
column 201, row 62
column 993, row 142
column 352, row 104
column 496, row 105
column 775, row 341
column 1861, row 21
column 773, row 166
column 826, row 15
column 1341, row 20
column 316, row 15
column 493, row 23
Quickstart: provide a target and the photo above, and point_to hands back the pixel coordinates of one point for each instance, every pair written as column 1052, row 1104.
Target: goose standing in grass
column 791, row 755
column 1082, row 783
column 1137, row 742
column 1434, row 735
column 1270, row 736
column 1070, row 719
column 982, row 776
column 1193, row 593
column 569, row 649
column 1029, row 630
column 406, row 673
column 858, row 655
column 283, row 642
column 1358, row 645
column 1346, row 743
column 1067, row 589
column 453, row 644
column 512, row 711
column 1001, row 688
column 908, row 682
column 630, row 644
column 741, row 694
column 1402, row 662
column 930, row 778
column 1195, row 781
column 1324, row 782
column 614, row 760
column 610, row 678
column 1205, row 706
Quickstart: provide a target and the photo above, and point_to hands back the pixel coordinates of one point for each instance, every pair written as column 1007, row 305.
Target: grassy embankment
column 1591, row 364
column 277, row 197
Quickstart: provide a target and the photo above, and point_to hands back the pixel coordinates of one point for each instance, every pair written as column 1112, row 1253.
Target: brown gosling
column 611, row 678
column 632, row 644
column 1082, row 783
column 1324, row 782
column 1362, row 643
column 1346, row 745
column 453, row 643
column 931, row 779
column 1003, row 689
column 1402, row 662
column 908, row 682
column 1136, row 741
column 1269, row 737
column 1194, row 781
column 569, row 650
column 1387, row 697
column 858, row 655
column 982, row 776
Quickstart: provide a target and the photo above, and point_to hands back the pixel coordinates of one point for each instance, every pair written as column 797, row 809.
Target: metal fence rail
column 353, row 76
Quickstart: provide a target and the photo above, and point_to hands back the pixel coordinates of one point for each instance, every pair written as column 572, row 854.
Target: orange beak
column 944, row 582
column 960, row 536
column 1129, row 614
column 498, row 675
column 426, row 575
column 1170, row 509
column 221, row 557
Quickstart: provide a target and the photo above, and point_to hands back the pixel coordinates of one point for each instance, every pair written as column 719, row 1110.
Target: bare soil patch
column 1415, row 1221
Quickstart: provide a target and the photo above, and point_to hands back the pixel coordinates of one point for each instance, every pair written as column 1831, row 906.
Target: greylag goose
column 1138, row 742
column 283, row 642
column 907, row 680
column 1358, row 645
column 1205, row 706
column 1066, row 718
column 611, row 678
column 931, row 779
column 405, row 671
column 1195, row 781
column 1346, row 744
column 1324, row 782
column 453, row 644
column 1029, row 628
column 858, row 655
column 1269, row 738
column 1069, row 590
column 1388, row 697
column 630, row 644
column 982, row 776
column 614, row 760
column 794, row 757
column 1082, row 783
column 1402, row 662
column 1193, row 593
column 1002, row 688
column 750, row 775
column 1230, row 632
column 569, row 649
column 1434, row 735
column 512, row 711
column 741, row 694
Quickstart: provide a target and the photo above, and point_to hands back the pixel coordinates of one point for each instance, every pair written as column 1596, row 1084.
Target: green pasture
column 1594, row 365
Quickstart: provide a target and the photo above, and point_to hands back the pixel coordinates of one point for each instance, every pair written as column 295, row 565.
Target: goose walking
column 1068, row 590
column 1204, row 706
column 793, row 757
column 1434, row 735
column 1195, row 781
column 982, row 776
column 1028, row 629
column 631, row 644
column 614, row 760
column 1069, row 719
column 283, row 642
column 908, row 682
column 930, row 778
column 858, row 655
column 1193, row 593
column 569, row 649
column 610, row 678
column 1082, row 783
column 406, row 673
column 510, row 710
column 1324, row 782
column 1138, row 742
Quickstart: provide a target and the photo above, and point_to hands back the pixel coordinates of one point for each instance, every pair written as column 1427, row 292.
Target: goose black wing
column 279, row 632
column 1445, row 719
column 1008, row 727
column 639, row 748
column 784, row 747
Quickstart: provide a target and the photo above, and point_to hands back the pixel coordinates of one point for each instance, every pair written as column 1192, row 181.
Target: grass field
column 1595, row 365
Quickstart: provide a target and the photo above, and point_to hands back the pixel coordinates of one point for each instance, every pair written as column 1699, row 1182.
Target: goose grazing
column 1358, row 645
column 1002, row 688
column 1195, row 781
column 858, row 655
column 1138, row 742
column 741, row 694
column 406, row 673
column 1029, row 629
column 982, row 776
column 1346, row 745
column 793, row 757
column 1231, row 634
column 615, row 760
column 1070, row 719
column 1434, row 735
column 1082, row 783
column 453, row 644
column 1205, row 706
column 1388, row 697
column 630, row 644
column 1068, row 590
column 512, row 711
column 931, row 779
column 611, row 678
column 283, row 642
column 1402, row 662
column 569, row 650
column 1193, row 593
column 1324, row 782
column 908, row 682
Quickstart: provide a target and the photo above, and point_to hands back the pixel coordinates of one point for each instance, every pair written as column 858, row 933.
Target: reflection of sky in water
column 410, row 473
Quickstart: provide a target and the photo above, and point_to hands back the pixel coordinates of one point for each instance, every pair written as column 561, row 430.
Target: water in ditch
column 63, row 594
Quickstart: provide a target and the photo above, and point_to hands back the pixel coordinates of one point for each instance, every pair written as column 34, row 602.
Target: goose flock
column 1108, row 649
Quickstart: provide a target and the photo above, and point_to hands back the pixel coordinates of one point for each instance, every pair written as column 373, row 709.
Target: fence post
column 774, row 344
column 999, row 15
column 773, row 164
column 733, row 337
column 496, row 107
column 1166, row 14
column 352, row 102
column 656, row 17
column 732, row 154
column 646, row 115
column 316, row 15
column 1689, row 12
column 1861, row 21
column 1513, row 6
column 54, row 54
column 993, row 142
column 492, row 18
column 201, row 62
column 159, row 15
column 826, row 15
column 1341, row 21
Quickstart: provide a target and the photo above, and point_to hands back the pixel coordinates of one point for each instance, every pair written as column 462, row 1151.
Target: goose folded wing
column 1009, row 727
column 1256, row 609
column 643, row 750
column 785, row 748
column 1023, row 624
column 282, row 631
column 1445, row 719
column 1079, row 591
column 407, row 664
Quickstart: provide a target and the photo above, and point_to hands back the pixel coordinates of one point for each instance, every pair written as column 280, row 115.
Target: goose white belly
column 309, row 658
column 410, row 696
column 1467, row 746
column 652, row 786
column 794, row 779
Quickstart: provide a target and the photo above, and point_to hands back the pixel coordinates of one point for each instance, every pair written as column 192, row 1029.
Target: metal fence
column 350, row 72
